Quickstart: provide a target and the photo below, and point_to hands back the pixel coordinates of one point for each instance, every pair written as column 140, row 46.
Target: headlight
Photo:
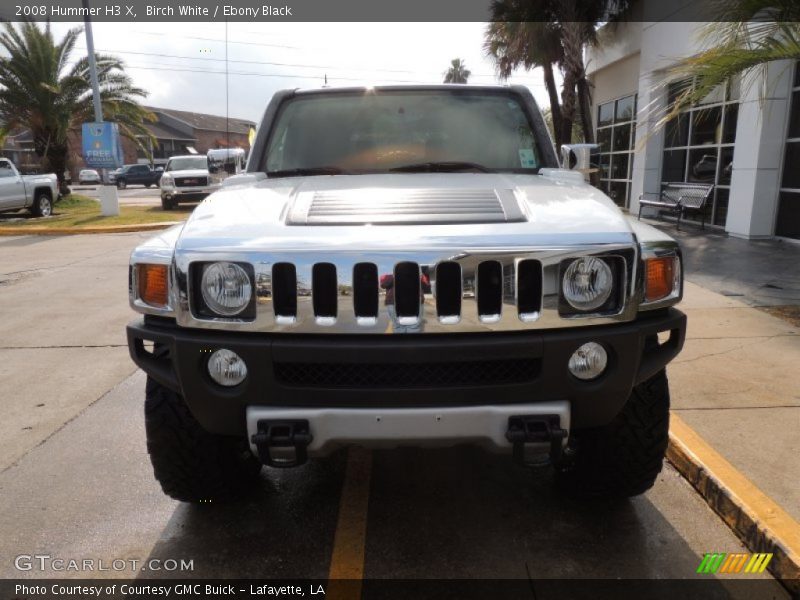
column 226, row 288
column 587, row 283
column 166, row 179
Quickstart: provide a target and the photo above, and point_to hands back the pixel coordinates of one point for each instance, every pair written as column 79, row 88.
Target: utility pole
column 109, row 202
column 98, row 110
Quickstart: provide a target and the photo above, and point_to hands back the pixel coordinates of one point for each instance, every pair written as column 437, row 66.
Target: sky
column 182, row 65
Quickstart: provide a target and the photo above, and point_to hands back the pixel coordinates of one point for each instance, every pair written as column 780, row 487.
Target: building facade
column 744, row 138
column 175, row 132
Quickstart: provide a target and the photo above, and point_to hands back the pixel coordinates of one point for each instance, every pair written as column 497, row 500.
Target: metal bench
column 678, row 198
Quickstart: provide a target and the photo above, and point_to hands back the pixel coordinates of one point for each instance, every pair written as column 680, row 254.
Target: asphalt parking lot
column 76, row 480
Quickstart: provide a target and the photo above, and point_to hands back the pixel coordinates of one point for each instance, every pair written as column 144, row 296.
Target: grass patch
column 76, row 210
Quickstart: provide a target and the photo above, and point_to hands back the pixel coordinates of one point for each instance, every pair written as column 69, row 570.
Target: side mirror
column 576, row 157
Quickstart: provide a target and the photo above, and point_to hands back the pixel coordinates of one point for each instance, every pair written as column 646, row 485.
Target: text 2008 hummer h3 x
column 406, row 266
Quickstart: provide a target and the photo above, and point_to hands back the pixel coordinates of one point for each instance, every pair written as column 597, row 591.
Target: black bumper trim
column 180, row 355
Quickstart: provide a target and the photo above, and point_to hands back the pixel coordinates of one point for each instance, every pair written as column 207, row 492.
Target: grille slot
column 284, row 290
column 448, row 291
column 365, row 291
column 407, row 375
column 407, row 292
column 324, row 290
column 490, row 290
column 529, row 289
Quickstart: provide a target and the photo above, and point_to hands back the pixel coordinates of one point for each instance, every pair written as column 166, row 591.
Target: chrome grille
column 403, row 291
column 418, row 206
column 381, row 292
column 190, row 181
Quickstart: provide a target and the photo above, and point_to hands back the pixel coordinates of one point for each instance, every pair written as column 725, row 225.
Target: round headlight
column 587, row 283
column 226, row 288
column 589, row 361
column 227, row 368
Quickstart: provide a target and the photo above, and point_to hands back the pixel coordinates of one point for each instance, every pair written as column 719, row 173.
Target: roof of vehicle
column 407, row 87
column 188, row 156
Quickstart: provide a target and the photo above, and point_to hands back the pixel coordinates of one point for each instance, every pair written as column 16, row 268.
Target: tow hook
column 282, row 444
column 524, row 430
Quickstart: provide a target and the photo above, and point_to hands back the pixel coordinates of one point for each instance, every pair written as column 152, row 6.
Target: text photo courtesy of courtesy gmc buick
column 406, row 266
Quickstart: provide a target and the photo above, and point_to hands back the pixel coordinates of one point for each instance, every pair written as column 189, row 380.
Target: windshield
column 186, row 163
column 385, row 131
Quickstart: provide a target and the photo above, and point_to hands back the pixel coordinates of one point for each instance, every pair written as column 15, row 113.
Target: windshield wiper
column 302, row 171
column 441, row 167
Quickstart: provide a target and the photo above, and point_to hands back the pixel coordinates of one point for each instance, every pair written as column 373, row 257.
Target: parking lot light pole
column 109, row 202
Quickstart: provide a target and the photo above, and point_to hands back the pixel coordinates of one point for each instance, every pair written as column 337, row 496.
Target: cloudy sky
column 182, row 65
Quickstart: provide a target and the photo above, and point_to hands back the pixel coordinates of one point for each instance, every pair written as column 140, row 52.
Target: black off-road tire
column 191, row 464
column 624, row 458
column 42, row 204
column 168, row 204
column 121, row 184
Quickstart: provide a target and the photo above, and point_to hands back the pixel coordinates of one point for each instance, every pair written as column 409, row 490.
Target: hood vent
column 405, row 206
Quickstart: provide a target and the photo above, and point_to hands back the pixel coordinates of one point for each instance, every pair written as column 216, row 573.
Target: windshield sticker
column 527, row 159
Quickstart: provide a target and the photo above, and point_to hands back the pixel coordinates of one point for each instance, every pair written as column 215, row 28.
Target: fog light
column 589, row 361
column 227, row 368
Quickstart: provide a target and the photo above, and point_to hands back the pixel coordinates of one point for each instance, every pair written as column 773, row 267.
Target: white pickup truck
column 37, row 193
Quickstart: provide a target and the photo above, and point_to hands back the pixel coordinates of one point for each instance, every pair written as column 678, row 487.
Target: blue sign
column 102, row 147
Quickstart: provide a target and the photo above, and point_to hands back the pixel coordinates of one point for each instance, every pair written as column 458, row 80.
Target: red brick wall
column 207, row 140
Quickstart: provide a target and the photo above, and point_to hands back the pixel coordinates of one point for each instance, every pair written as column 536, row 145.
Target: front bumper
column 186, row 193
column 405, row 371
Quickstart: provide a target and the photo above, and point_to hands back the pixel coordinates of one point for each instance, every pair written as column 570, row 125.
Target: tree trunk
column 585, row 101
column 567, row 107
column 53, row 156
column 572, row 43
column 555, row 105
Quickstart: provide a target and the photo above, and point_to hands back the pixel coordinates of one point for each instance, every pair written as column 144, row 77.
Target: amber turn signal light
column 152, row 284
column 660, row 273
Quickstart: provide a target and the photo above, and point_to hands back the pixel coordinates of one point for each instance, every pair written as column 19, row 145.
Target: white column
column 758, row 152
column 646, row 171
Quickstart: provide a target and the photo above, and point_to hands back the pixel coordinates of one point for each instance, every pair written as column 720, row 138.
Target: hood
column 188, row 173
column 392, row 211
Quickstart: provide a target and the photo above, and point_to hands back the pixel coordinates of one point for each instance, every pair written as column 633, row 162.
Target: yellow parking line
column 755, row 517
column 347, row 559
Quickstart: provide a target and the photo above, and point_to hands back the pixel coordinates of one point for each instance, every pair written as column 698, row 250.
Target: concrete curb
column 761, row 524
column 87, row 230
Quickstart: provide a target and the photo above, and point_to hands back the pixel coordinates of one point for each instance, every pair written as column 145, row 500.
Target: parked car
column 405, row 197
column 137, row 175
column 185, row 178
column 37, row 193
column 112, row 175
column 88, row 176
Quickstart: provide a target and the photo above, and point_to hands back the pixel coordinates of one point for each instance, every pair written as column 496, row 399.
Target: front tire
column 168, row 204
column 623, row 458
column 121, row 184
column 191, row 464
column 42, row 204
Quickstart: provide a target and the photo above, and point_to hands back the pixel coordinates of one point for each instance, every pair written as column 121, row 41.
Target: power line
column 205, row 39
column 282, row 64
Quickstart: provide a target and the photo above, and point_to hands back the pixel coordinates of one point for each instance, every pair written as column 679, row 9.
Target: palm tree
column 551, row 34
column 746, row 37
column 41, row 91
column 528, row 44
column 457, row 73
